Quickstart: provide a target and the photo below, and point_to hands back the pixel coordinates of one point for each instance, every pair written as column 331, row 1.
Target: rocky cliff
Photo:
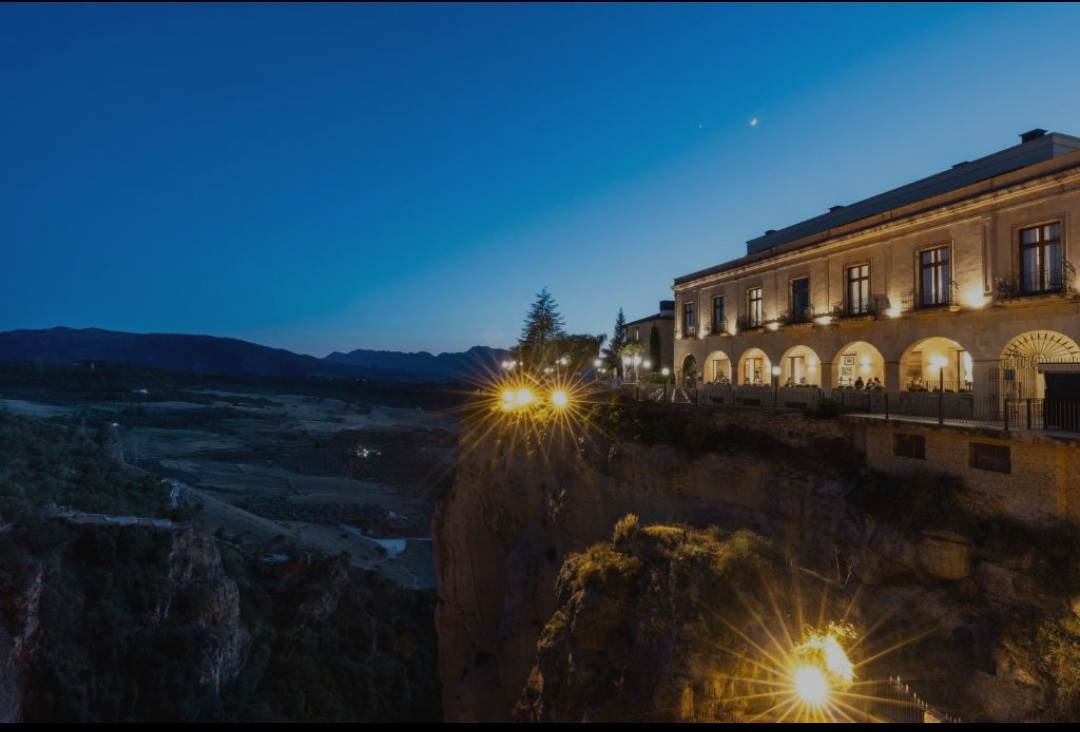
column 973, row 610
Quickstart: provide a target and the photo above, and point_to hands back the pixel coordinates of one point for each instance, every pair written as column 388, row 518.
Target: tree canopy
column 612, row 354
column 544, row 327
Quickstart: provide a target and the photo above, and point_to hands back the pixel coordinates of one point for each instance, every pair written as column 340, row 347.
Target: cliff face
column 43, row 592
column 963, row 611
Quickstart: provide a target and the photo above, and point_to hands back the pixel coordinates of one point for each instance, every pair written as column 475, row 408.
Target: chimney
column 834, row 208
column 667, row 307
column 1030, row 135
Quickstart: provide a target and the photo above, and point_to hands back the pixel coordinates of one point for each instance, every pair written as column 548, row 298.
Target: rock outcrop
column 955, row 610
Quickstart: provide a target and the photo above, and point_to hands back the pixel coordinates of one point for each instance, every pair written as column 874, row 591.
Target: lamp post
column 596, row 373
column 776, row 386
column 626, row 366
column 637, row 362
column 665, row 371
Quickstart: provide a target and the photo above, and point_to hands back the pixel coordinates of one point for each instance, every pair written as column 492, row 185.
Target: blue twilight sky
column 409, row 176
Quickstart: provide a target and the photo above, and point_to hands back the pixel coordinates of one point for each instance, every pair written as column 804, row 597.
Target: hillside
column 203, row 354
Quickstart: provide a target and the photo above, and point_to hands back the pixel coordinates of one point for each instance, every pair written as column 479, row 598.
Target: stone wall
column 1041, row 488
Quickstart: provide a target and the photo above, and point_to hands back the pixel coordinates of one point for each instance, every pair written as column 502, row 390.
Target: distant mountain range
column 215, row 355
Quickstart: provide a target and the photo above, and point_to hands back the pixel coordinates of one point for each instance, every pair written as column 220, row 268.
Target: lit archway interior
column 858, row 364
column 755, row 367
column 936, row 363
column 717, row 368
column 800, row 366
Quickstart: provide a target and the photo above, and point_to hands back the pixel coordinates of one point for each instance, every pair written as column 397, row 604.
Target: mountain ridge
column 225, row 355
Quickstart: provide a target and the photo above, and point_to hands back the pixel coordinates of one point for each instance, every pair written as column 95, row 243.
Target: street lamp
column 665, row 371
column 776, row 385
column 637, row 362
column 597, row 364
column 626, row 365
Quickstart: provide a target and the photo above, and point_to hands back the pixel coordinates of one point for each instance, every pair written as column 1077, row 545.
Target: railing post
column 1029, row 413
column 1006, row 401
column 941, row 405
column 886, row 406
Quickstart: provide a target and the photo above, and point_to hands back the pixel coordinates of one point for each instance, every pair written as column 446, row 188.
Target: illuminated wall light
column 811, row 365
column 823, row 319
column 893, row 311
column 773, row 325
column 973, row 297
column 731, row 329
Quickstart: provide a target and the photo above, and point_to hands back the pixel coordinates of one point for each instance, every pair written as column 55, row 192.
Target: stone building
column 640, row 331
column 960, row 282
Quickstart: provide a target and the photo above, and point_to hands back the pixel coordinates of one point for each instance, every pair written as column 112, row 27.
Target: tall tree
column 613, row 350
column 543, row 328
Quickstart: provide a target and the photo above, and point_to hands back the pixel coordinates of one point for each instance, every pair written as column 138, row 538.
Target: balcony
column 750, row 322
column 947, row 297
column 1052, row 280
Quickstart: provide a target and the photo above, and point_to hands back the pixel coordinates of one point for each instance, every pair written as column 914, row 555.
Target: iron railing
column 931, row 406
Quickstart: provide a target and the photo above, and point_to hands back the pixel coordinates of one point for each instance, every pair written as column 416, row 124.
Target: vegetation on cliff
column 673, row 623
column 126, row 623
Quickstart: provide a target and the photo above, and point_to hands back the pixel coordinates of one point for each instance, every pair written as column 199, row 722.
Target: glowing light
column 522, row 397
column 509, row 397
column 893, row 311
column 559, row 398
column 810, row 684
column 973, row 297
column 773, row 325
column 775, row 370
column 731, row 329
column 823, row 319
column 753, row 121
column 665, row 371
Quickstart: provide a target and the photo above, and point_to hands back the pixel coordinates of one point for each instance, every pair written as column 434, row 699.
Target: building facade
column 960, row 282
column 640, row 332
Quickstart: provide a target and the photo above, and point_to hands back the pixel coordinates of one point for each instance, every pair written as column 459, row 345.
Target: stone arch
column 800, row 366
column 717, row 368
column 755, row 367
column 936, row 362
column 1018, row 369
column 858, row 362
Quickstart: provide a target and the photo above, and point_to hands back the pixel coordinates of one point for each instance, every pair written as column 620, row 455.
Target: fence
column 939, row 406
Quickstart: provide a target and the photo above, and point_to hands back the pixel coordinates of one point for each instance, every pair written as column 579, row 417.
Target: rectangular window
column 800, row 300
column 719, row 324
column 909, row 446
column 688, row 327
column 858, row 289
column 1040, row 258
column 934, row 278
column 990, row 457
column 753, row 308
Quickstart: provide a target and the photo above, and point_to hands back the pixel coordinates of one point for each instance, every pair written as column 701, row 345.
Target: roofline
column 1056, row 144
column 1037, row 148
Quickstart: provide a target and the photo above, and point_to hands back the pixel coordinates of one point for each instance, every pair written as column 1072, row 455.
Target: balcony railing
column 930, row 299
column 798, row 315
column 930, row 406
column 1057, row 278
column 854, row 308
column 750, row 322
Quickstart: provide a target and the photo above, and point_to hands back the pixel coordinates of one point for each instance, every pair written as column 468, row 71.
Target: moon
column 753, row 121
